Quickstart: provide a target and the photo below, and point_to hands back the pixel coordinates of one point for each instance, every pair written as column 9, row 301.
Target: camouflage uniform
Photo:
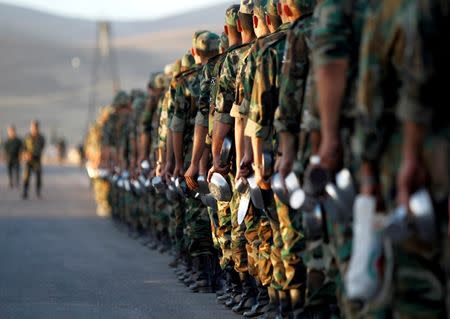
column 185, row 113
column 224, row 102
column 263, row 102
column 93, row 150
column 206, row 104
column 395, row 58
column 34, row 147
column 293, row 115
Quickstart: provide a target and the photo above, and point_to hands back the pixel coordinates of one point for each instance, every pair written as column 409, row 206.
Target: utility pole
column 104, row 57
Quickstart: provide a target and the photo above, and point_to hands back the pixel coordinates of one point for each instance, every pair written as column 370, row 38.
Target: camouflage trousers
column 224, row 233
column 213, row 218
column 278, row 271
column 251, row 222
column 293, row 246
column 238, row 240
column 102, row 189
column 197, row 228
column 258, row 234
column 179, row 225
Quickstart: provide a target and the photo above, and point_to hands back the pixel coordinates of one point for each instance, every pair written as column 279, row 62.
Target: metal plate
column 220, row 188
column 203, row 187
column 255, row 193
column 244, row 204
column 279, row 190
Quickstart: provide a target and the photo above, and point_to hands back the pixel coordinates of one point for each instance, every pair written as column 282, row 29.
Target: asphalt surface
column 58, row 259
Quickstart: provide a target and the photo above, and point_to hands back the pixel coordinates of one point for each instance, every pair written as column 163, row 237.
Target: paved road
column 59, row 260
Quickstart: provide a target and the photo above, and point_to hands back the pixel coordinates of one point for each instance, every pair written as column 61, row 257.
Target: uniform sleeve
column 226, row 90
column 264, row 97
column 293, row 82
column 201, row 118
column 180, row 108
column 247, row 82
column 332, row 33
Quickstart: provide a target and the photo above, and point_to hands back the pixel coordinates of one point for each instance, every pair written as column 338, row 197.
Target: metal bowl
column 181, row 187
column 172, row 193
column 209, row 201
column 241, row 185
column 255, row 193
column 316, row 179
column 136, row 188
column 220, row 188
column 158, row 184
column 145, row 167
column 225, row 153
column 203, row 187
column 267, row 164
column 279, row 189
column 313, row 223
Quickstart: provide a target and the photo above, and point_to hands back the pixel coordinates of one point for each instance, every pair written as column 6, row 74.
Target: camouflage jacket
column 296, row 74
column 227, row 83
column 265, row 93
column 336, row 36
column 34, row 146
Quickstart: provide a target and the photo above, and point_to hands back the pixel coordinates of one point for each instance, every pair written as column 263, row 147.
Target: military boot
column 271, row 309
column 285, row 308
column 297, row 302
column 236, row 291
column 203, row 283
column 248, row 296
column 262, row 300
column 228, row 288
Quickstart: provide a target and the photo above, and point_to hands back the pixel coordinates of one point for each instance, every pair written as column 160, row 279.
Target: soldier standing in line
column 406, row 140
column 93, row 153
column 13, row 147
column 244, row 296
column 33, row 148
column 198, row 230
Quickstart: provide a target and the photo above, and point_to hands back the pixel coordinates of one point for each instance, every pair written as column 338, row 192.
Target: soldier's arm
column 331, row 52
column 177, row 127
column 261, row 111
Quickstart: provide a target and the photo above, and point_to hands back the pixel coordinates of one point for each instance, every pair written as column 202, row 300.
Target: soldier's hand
column 159, row 170
column 217, row 169
column 245, row 168
column 191, row 175
column 259, row 178
column 178, row 171
column 412, row 176
column 284, row 165
column 331, row 155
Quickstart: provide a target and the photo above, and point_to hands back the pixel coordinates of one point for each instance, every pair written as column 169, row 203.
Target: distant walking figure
column 13, row 146
column 34, row 144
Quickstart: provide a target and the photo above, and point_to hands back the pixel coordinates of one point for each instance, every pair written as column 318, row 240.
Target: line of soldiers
column 298, row 164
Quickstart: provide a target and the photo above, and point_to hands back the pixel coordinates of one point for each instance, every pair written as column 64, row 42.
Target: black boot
column 285, row 308
column 271, row 310
column 203, row 284
column 249, row 292
column 236, row 290
column 228, row 288
column 297, row 301
column 262, row 300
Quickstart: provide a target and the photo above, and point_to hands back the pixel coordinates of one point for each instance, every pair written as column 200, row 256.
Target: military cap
column 137, row 93
column 187, row 61
column 224, row 44
column 247, row 6
column 121, row 99
column 231, row 15
column 138, row 102
column 259, row 8
column 176, row 67
column 272, row 7
column 168, row 69
column 207, row 41
column 160, row 81
column 195, row 36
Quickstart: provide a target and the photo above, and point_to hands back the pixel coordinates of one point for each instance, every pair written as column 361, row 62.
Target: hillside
column 38, row 81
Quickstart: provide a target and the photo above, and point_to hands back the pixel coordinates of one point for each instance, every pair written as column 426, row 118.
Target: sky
column 114, row 9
